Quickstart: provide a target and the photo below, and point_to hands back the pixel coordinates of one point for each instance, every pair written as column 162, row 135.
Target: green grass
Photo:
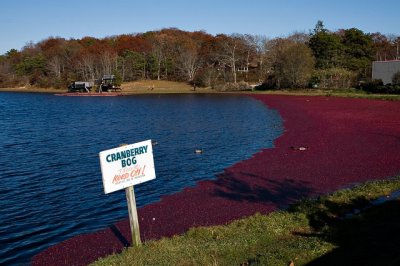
column 313, row 232
column 347, row 92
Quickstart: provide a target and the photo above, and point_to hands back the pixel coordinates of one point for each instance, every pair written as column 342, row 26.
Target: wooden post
column 133, row 217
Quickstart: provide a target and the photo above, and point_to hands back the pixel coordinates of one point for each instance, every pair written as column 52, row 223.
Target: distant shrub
column 240, row 86
column 207, row 77
column 268, row 84
column 393, row 89
column 332, row 78
column 377, row 86
column 264, row 87
column 370, row 85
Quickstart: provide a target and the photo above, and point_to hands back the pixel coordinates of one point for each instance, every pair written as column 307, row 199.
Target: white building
column 385, row 70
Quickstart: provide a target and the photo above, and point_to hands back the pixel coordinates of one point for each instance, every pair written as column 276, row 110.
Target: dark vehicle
column 80, row 86
column 108, row 84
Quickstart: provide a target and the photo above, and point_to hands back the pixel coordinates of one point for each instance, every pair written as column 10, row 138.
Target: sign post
column 124, row 167
column 133, row 217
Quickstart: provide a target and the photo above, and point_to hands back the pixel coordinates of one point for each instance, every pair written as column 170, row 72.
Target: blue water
column 51, row 186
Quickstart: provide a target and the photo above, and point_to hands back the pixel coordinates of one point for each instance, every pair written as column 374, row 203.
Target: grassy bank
column 314, row 232
column 352, row 93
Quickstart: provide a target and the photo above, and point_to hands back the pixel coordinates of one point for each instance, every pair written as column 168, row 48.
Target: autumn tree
column 382, row 46
column 132, row 52
column 199, row 57
column 53, row 50
column 210, row 71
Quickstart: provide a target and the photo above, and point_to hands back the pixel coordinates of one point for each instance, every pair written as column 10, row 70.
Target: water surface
column 51, row 187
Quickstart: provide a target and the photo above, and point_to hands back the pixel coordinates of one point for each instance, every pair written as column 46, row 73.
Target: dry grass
column 33, row 89
column 160, row 86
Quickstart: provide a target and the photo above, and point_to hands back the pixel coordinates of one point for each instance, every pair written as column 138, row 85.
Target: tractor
column 108, row 84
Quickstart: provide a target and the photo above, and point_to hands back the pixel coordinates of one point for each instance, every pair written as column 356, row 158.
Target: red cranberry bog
column 329, row 143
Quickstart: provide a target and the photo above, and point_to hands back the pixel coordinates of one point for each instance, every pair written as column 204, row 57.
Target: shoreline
column 350, row 141
column 122, row 93
column 131, row 90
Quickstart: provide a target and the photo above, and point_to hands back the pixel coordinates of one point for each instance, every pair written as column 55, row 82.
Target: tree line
column 321, row 58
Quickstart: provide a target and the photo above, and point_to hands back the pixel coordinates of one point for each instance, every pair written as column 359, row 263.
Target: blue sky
column 23, row 21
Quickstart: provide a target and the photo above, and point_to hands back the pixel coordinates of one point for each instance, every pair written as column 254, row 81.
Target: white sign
column 127, row 166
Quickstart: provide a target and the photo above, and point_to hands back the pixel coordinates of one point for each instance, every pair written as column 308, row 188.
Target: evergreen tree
column 326, row 46
column 359, row 51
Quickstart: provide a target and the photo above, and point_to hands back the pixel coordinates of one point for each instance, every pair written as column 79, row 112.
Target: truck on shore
column 80, row 86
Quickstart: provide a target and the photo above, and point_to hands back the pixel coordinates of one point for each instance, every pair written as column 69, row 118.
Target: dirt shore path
column 345, row 141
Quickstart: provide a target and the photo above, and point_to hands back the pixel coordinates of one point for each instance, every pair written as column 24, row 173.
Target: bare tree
column 87, row 67
column 188, row 59
column 209, row 75
column 230, row 48
column 259, row 50
column 251, row 51
column 396, row 44
column 272, row 49
column 159, row 51
column 55, row 66
column 299, row 37
column 394, row 41
column 107, row 60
